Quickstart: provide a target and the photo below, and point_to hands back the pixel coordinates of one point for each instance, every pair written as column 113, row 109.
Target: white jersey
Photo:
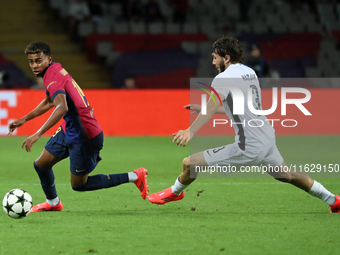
column 253, row 132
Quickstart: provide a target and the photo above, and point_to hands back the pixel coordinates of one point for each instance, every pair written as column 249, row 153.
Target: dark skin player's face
column 38, row 63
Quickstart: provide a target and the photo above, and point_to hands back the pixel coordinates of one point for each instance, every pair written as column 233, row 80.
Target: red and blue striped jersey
column 79, row 124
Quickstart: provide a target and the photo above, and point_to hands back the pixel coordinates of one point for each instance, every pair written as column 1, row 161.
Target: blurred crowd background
column 138, row 44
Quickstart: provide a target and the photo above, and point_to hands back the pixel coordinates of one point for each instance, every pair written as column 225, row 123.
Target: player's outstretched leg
column 104, row 181
column 176, row 191
column 312, row 187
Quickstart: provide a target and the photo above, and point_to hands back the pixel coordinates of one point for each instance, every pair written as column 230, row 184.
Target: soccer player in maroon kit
column 80, row 136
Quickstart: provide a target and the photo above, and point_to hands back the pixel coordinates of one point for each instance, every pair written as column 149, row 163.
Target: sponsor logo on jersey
column 51, row 83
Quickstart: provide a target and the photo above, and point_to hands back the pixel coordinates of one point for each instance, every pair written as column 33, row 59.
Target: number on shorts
column 218, row 149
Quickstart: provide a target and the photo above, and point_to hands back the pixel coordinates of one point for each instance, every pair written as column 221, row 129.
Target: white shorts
column 232, row 155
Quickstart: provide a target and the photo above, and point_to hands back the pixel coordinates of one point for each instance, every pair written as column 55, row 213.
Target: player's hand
column 28, row 143
column 182, row 137
column 14, row 125
column 195, row 108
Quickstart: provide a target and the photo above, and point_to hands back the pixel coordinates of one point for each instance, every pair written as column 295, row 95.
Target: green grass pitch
column 231, row 215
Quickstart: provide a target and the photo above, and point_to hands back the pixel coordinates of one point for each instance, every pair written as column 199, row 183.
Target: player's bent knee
column 186, row 163
column 79, row 188
column 284, row 177
column 39, row 169
column 287, row 180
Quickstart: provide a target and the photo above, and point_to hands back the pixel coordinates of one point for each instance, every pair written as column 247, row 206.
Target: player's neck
column 43, row 72
column 227, row 65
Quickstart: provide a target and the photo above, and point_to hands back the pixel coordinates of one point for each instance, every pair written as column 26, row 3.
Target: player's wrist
column 23, row 120
column 191, row 134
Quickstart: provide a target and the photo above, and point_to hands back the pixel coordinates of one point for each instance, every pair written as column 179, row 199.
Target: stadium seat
column 232, row 9
column 156, row 28
column 273, row 19
column 259, row 27
column 16, row 77
column 190, row 28
column 85, row 28
column 307, row 61
column 61, row 6
column 297, row 27
column 327, row 14
column 338, row 10
column 115, row 10
column 209, row 29
column 165, row 10
column 334, row 26
column 112, row 57
column 278, row 27
column 172, row 28
column 104, row 48
column 283, row 9
column 312, row 72
column 103, row 28
column 121, row 28
column 314, row 27
column 330, row 72
column 204, row 48
column 242, row 28
column 138, row 28
column 190, row 47
column 203, row 72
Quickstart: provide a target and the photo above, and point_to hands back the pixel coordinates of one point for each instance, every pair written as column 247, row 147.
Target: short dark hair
column 38, row 47
column 229, row 46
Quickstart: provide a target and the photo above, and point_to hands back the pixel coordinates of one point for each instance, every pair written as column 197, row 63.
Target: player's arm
column 43, row 107
column 60, row 110
column 182, row 137
column 196, row 108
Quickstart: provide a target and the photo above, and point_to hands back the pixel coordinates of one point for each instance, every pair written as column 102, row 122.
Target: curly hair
column 38, row 47
column 229, row 46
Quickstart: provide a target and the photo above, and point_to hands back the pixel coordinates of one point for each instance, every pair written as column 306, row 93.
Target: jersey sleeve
column 55, row 84
column 219, row 85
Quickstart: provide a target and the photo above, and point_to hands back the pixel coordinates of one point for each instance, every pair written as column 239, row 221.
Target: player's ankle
column 178, row 187
column 53, row 202
column 132, row 176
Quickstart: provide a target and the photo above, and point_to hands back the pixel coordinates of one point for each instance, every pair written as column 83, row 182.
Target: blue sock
column 46, row 177
column 102, row 181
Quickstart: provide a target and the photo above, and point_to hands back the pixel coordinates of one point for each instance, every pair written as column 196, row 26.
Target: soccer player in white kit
column 253, row 145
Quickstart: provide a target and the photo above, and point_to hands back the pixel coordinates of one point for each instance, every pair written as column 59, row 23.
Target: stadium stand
column 11, row 76
column 297, row 38
column 43, row 26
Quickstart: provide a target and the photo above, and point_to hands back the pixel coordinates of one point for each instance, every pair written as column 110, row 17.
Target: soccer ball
column 17, row 203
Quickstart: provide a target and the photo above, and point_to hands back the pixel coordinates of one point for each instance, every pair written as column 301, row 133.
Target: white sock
column 178, row 187
column 53, row 202
column 132, row 176
column 319, row 191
